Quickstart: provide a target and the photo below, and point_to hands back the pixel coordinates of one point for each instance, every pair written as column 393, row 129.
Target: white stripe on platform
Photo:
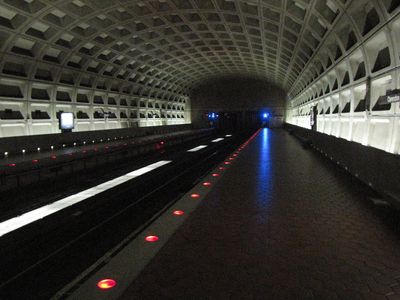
column 197, row 148
column 217, row 140
column 44, row 211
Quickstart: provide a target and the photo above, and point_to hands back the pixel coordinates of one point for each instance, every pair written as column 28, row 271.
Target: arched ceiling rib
column 163, row 47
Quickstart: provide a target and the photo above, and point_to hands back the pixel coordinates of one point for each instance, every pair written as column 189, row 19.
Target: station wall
column 351, row 82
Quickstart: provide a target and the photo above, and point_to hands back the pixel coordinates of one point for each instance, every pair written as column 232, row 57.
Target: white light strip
column 44, row 211
column 228, row 135
column 380, row 120
column 358, row 120
column 197, row 148
column 217, row 140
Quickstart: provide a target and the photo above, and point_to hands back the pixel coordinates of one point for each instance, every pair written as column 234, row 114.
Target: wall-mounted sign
column 312, row 120
column 391, row 99
column 313, row 117
column 393, row 96
column 66, row 121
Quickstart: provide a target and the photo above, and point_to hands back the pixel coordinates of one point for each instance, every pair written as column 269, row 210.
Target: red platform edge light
column 195, row 195
column 53, row 157
column 151, row 238
column 221, row 168
column 215, row 175
column 206, row 183
column 178, row 212
column 106, row 284
column 245, row 144
column 35, row 161
column 12, row 165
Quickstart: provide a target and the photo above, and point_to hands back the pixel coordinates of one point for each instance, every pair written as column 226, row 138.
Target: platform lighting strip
column 197, row 148
column 44, row 211
column 217, row 140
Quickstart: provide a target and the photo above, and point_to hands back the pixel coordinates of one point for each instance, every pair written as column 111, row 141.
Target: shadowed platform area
column 282, row 223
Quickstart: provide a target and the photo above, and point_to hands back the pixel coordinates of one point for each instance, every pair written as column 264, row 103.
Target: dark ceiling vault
column 237, row 93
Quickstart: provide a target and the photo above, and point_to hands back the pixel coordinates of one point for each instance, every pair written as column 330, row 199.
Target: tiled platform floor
column 283, row 223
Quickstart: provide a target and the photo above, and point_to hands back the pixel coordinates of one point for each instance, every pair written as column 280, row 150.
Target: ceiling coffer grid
column 163, row 48
column 362, row 44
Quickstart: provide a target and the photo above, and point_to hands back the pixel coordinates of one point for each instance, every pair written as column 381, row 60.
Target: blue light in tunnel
column 265, row 116
column 213, row 116
column 264, row 174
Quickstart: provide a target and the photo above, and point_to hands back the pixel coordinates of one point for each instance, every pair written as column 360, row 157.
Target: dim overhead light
column 38, row 149
column 23, row 151
column 5, row 153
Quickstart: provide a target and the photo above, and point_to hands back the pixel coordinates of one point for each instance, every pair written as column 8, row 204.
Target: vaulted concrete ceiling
column 162, row 48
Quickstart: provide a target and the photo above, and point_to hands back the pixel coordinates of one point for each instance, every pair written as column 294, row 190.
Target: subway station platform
column 281, row 224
